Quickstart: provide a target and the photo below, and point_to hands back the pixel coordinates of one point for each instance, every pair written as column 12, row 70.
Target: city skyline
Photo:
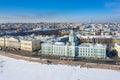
column 60, row 11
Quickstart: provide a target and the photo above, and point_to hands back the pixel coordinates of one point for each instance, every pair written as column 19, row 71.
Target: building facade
column 12, row 42
column 2, row 41
column 30, row 45
column 72, row 48
column 92, row 50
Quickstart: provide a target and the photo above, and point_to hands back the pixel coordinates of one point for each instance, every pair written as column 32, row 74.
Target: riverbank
column 63, row 62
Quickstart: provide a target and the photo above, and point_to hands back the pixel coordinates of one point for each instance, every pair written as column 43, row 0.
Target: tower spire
column 72, row 38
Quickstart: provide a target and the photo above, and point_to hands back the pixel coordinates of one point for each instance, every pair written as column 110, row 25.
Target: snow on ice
column 12, row 69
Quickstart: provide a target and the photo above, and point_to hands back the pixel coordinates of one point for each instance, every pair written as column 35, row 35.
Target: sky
column 59, row 11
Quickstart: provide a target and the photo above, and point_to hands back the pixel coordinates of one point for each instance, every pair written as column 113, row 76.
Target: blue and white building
column 73, row 48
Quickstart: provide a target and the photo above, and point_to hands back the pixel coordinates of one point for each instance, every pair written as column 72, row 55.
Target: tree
column 113, row 53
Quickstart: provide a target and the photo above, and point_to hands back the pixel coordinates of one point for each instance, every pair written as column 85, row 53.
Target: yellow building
column 2, row 41
column 117, row 47
column 12, row 42
column 30, row 45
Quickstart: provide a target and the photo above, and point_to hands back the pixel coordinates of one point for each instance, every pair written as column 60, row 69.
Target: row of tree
column 112, row 53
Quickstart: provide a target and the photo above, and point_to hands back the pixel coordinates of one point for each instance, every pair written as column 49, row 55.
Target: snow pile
column 21, row 70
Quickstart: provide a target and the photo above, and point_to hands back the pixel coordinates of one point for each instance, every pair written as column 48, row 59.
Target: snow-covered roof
column 60, row 43
column 96, row 36
column 85, row 45
column 89, row 45
column 100, row 45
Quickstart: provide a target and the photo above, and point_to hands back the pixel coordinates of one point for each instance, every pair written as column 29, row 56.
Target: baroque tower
column 73, row 40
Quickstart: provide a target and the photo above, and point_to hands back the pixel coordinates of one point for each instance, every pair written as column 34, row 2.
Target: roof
column 89, row 45
column 60, row 43
column 96, row 36
column 85, row 45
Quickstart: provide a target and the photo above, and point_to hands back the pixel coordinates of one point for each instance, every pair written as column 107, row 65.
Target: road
column 63, row 62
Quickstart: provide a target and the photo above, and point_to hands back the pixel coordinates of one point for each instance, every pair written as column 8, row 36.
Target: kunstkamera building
column 73, row 48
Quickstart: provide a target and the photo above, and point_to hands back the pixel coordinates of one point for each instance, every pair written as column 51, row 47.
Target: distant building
column 117, row 47
column 73, row 49
column 109, row 41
